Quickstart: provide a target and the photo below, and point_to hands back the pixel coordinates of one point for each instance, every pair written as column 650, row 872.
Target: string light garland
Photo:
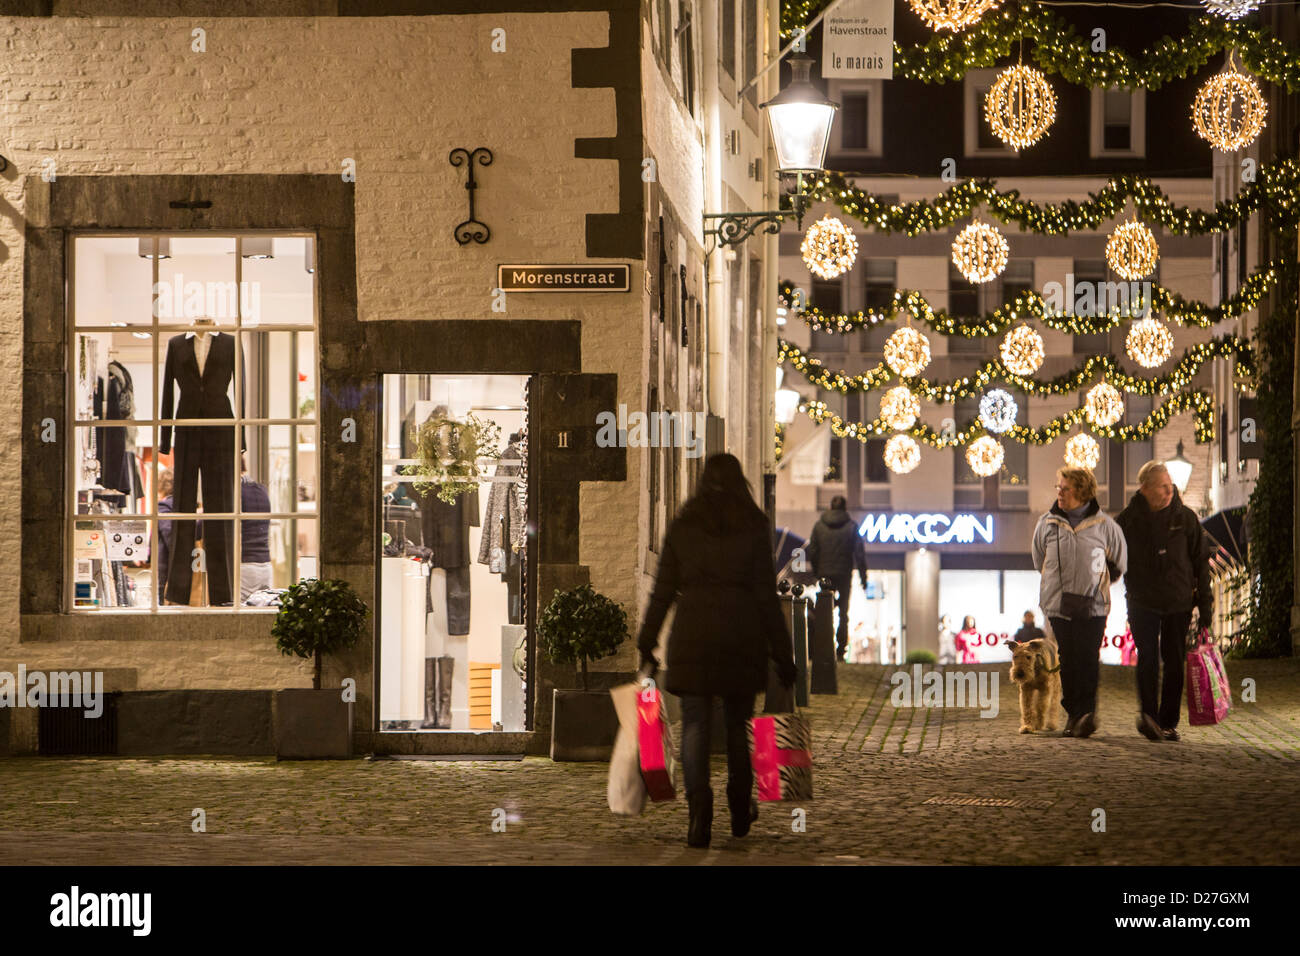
column 951, row 14
column 1229, row 111
column 984, row 455
column 1020, row 106
column 1082, row 451
column 900, row 408
column 1022, row 351
column 829, row 248
column 998, row 411
column 1230, row 9
column 1149, row 343
column 902, row 454
column 907, row 352
column 1132, row 251
column 1105, row 405
column 980, row 252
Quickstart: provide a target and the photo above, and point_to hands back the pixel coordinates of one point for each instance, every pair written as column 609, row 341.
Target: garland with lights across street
column 1058, row 50
column 1276, row 186
column 1105, row 367
column 1199, row 403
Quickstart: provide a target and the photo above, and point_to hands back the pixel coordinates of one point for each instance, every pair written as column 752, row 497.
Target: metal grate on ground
column 960, row 801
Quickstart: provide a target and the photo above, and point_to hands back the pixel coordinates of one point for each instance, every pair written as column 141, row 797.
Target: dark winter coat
column 728, row 622
column 835, row 547
column 1029, row 632
column 1169, row 558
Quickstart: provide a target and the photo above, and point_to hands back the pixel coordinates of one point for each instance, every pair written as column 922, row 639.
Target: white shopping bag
column 626, row 790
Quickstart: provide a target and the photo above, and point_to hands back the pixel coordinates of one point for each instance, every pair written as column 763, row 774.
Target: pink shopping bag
column 655, row 746
column 1208, row 693
column 780, row 749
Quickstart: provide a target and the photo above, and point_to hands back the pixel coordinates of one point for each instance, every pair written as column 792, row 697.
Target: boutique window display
column 453, row 548
column 193, row 402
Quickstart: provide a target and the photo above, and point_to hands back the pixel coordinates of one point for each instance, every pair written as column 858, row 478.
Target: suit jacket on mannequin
column 202, row 396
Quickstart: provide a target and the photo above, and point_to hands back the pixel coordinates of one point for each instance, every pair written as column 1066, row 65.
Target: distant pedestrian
column 1168, row 577
column 1078, row 550
column 966, row 640
column 716, row 565
column 1029, row 630
column 835, row 550
column 947, row 646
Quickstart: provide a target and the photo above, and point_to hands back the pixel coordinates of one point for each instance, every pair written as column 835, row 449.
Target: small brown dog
column 1036, row 667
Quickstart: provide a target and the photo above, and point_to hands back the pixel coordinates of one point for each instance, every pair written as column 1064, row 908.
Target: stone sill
column 447, row 742
column 204, row 625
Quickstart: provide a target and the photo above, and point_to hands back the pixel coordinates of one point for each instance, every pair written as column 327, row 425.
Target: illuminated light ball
column 1104, row 405
column 900, row 408
column 1149, row 343
column 1229, row 111
column 951, row 14
column 1230, row 9
column 907, row 352
column 902, row 454
column 1020, row 106
column 984, row 455
column 998, row 411
column 1082, row 451
column 980, row 252
column 829, row 248
column 1022, row 350
column 1132, row 251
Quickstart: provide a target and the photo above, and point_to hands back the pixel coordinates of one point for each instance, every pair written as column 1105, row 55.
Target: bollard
column 821, row 642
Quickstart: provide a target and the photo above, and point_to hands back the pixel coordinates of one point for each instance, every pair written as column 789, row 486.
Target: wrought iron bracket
column 733, row 228
column 471, row 228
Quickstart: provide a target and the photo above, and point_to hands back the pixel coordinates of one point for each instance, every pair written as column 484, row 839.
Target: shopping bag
column 626, row 791
column 655, row 745
column 780, row 749
column 1208, row 696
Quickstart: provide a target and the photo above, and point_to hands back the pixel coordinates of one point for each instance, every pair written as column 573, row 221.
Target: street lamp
column 1180, row 470
column 800, row 118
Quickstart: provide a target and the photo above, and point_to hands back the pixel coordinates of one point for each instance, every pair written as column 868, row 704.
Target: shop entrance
column 452, row 545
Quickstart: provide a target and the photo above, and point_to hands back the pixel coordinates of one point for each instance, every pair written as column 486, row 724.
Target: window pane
column 963, row 412
column 963, row 301
column 853, row 119
column 111, row 563
column 728, row 39
column 279, row 290
column 112, row 281
column 984, row 137
column 874, row 454
column 198, row 281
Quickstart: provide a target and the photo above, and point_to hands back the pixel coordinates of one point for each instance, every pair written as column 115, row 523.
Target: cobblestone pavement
column 1224, row 795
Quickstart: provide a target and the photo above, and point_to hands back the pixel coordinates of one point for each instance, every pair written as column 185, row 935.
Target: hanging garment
column 204, row 453
column 446, row 527
column 115, row 401
column 506, row 526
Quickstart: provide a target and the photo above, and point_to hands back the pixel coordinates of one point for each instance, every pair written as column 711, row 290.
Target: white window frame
column 874, row 91
column 973, row 113
column 1138, row 114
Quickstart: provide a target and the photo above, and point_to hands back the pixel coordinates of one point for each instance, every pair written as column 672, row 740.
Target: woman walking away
column 716, row 564
column 1078, row 551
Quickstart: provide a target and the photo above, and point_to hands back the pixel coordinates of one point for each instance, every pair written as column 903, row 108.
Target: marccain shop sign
column 611, row 278
column 927, row 528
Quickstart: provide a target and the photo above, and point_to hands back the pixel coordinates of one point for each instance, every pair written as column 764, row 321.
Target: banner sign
column 858, row 40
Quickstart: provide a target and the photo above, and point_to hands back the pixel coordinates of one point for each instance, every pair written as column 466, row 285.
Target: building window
column 751, row 47
column 828, row 296
column 686, row 51
column 1118, row 123
column 963, row 413
column 837, row 404
column 964, row 302
column 1090, row 281
column 1136, row 453
column 878, row 295
column 171, row 335
column 1016, row 279
column 666, row 32
column 727, row 39
column 1013, row 479
column 979, row 138
column 858, row 125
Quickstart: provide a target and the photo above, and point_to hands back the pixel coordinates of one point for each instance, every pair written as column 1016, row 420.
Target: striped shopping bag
column 780, row 749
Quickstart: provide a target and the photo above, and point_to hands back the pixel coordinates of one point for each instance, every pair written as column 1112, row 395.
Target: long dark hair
column 723, row 503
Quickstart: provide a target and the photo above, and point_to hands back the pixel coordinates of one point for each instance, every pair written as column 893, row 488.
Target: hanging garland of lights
column 829, row 248
column 900, row 408
column 1132, row 251
column 1149, row 343
column 1276, row 188
column 1200, row 404
column 951, row 14
column 1229, row 110
column 1105, row 367
column 998, row 411
column 1030, row 305
column 1082, row 451
column 902, row 454
column 984, row 455
column 980, row 252
column 1020, row 107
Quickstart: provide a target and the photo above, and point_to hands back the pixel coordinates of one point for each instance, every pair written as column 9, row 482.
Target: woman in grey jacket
column 1078, row 550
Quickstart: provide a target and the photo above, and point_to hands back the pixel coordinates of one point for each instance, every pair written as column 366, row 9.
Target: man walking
column 1168, row 575
column 835, row 551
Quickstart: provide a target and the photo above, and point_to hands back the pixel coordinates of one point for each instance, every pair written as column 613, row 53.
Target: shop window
column 194, row 467
column 453, row 543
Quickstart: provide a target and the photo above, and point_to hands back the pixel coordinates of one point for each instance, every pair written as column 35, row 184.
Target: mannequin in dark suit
column 201, row 452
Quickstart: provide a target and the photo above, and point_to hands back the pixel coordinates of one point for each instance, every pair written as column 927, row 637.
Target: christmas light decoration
column 1229, row 110
column 985, row 456
column 1149, row 343
column 1132, row 251
column 1020, row 106
column 1104, row 405
column 1082, row 451
column 907, row 352
column 900, row 408
column 951, row 14
column 902, row 454
column 829, row 248
column 980, row 252
column 1022, row 350
column 998, row 411
column 1231, row 9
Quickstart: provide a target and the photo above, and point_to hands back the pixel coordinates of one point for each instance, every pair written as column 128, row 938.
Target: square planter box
column 311, row 724
column 583, row 725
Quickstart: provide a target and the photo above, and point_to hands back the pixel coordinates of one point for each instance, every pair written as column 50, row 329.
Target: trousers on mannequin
column 203, row 454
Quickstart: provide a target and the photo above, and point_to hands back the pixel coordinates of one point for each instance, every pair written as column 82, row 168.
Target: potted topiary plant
column 581, row 625
column 316, row 618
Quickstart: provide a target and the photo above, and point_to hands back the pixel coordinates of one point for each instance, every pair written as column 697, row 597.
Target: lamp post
column 1180, row 469
column 799, row 118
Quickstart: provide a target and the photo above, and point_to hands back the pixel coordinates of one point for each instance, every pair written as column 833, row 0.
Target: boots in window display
column 446, row 666
column 430, row 693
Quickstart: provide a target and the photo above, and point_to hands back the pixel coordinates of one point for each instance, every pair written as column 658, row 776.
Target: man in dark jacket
column 1029, row 631
column 1168, row 575
column 835, row 551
